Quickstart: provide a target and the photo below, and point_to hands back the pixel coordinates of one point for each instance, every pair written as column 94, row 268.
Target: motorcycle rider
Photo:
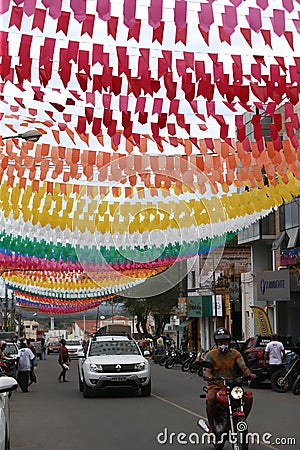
column 225, row 362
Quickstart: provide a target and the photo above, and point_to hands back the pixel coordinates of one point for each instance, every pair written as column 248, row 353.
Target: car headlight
column 96, row 368
column 140, row 366
column 237, row 392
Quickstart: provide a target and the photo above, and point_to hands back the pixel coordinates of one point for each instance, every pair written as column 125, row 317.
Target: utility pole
column 5, row 307
column 12, row 313
column 97, row 319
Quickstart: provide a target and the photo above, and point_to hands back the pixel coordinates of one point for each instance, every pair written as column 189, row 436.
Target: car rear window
column 11, row 349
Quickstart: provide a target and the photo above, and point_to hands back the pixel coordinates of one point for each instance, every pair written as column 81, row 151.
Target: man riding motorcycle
column 225, row 363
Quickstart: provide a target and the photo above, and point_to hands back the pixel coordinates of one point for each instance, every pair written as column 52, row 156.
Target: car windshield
column 113, row 348
column 54, row 344
column 73, row 343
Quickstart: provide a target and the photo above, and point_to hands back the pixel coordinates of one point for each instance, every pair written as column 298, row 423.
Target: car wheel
column 146, row 390
column 80, row 383
column 87, row 391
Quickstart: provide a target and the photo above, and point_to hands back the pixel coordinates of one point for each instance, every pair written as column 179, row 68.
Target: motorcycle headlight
column 140, row 366
column 96, row 368
column 237, row 392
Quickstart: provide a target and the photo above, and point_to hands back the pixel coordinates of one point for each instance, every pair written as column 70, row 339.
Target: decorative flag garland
column 146, row 156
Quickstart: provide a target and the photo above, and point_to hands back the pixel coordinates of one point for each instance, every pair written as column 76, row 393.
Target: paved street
column 55, row 416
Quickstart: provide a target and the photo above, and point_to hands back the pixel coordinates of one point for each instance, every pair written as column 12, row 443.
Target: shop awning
column 184, row 324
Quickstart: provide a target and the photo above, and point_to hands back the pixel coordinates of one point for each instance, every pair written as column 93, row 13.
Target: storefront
column 280, row 291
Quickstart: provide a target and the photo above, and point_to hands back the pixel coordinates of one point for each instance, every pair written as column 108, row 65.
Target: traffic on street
column 56, row 416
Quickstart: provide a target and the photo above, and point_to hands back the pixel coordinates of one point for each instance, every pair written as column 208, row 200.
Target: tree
column 160, row 306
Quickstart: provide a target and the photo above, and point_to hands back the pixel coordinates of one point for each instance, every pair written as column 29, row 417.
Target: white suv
column 74, row 347
column 113, row 362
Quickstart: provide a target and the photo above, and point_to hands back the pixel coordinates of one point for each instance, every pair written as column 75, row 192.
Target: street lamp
column 30, row 135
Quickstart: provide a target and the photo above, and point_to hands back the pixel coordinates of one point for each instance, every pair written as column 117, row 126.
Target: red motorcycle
column 230, row 421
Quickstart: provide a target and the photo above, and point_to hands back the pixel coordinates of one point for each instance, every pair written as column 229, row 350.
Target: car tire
column 87, row 391
column 80, row 384
column 146, row 390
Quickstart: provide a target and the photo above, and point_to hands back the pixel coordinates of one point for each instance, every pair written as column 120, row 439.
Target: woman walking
column 64, row 361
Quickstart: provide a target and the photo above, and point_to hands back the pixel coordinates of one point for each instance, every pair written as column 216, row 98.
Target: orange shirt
column 224, row 365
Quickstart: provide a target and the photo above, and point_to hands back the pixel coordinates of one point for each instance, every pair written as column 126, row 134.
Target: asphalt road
column 55, row 416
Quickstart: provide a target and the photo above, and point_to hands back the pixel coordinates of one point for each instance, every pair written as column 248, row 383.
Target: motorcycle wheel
column 241, row 443
column 200, row 372
column 170, row 363
column 185, row 366
column 163, row 360
column 296, row 387
column 194, row 367
column 279, row 383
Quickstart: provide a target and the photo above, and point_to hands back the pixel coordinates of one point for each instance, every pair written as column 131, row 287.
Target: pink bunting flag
column 54, row 7
column 263, row 4
column 79, row 9
column 129, row 11
column 206, row 16
column 103, row 9
column 29, row 7
column 229, row 19
column 254, row 19
column 155, row 13
column 278, row 21
column 180, row 14
column 288, row 5
column 4, row 6
column 297, row 23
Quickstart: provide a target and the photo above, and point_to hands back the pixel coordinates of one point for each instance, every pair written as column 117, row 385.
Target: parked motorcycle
column 283, row 380
column 197, row 365
column 229, row 422
column 189, row 361
column 164, row 358
column 177, row 357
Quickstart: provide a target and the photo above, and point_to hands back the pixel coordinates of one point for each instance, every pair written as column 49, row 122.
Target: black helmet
column 221, row 333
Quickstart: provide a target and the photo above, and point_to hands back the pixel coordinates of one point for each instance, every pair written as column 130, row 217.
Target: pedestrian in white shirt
column 275, row 354
column 25, row 362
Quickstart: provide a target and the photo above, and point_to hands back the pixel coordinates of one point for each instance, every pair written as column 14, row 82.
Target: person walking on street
column 275, row 354
column 32, row 375
column 25, row 362
column 64, row 361
column 43, row 349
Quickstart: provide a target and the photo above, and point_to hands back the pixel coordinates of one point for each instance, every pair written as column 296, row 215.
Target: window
column 193, row 279
column 291, row 214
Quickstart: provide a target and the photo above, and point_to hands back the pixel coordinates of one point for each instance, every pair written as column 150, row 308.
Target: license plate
column 118, row 378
